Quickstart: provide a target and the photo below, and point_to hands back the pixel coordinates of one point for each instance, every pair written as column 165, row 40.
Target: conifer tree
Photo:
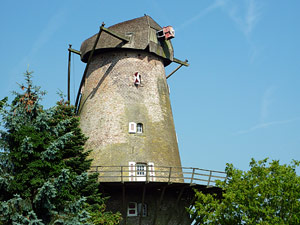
column 43, row 166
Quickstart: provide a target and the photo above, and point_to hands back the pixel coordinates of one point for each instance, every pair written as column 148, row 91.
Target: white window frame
column 132, row 128
column 132, row 169
column 151, row 171
column 134, row 208
column 143, row 212
column 136, row 174
column 141, row 171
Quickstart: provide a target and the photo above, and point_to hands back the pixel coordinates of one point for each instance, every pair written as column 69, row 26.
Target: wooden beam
column 181, row 62
column 175, row 207
column 159, row 204
column 124, row 204
column 87, row 66
column 180, row 194
column 74, row 51
column 177, row 204
column 69, row 74
column 115, row 34
column 143, row 202
column 175, row 70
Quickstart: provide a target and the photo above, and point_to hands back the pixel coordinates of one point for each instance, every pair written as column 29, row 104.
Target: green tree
column 43, row 165
column 269, row 193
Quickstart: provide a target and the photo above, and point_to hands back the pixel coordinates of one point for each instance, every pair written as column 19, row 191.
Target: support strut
column 87, row 66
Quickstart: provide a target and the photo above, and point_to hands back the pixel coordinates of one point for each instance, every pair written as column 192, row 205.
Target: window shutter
column 151, row 171
column 132, row 127
column 132, row 171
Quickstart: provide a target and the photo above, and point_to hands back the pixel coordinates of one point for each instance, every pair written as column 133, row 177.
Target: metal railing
column 149, row 173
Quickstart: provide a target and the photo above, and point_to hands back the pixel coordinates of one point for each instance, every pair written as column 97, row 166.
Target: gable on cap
column 142, row 34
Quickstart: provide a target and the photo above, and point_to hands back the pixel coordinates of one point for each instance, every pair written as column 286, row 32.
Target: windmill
column 125, row 111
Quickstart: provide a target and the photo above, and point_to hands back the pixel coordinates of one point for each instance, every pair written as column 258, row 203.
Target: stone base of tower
column 154, row 203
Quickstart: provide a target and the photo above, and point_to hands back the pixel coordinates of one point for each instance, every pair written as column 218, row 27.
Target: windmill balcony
column 147, row 174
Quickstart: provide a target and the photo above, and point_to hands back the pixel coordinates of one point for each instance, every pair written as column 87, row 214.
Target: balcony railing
column 147, row 174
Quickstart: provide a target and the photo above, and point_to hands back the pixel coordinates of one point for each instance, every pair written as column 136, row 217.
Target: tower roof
column 142, row 34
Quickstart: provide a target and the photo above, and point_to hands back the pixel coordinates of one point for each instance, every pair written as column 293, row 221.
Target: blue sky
column 238, row 99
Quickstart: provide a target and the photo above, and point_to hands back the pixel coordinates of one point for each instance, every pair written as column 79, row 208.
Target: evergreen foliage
column 266, row 194
column 43, row 166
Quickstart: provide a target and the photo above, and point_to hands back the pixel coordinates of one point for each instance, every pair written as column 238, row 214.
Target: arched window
column 139, row 128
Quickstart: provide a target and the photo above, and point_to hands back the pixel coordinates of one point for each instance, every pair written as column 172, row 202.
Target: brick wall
column 110, row 100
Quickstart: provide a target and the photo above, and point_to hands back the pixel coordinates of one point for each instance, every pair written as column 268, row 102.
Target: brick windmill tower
column 124, row 108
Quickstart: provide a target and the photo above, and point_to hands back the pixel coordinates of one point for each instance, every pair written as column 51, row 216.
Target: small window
column 132, row 127
column 137, row 209
column 137, row 79
column 139, row 128
column 132, row 209
column 141, row 169
column 142, row 209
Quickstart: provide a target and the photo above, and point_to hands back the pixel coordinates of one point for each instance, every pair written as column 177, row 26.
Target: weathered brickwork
column 110, row 100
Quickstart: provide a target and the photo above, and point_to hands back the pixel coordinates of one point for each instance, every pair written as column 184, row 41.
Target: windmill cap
column 142, row 35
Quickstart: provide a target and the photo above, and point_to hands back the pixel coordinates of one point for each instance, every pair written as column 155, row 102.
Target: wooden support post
column 87, row 66
column 158, row 207
column 210, row 174
column 122, row 181
column 192, row 176
column 177, row 204
column 180, row 194
column 170, row 172
column 147, row 174
column 124, row 204
column 69, row 75
column 143, row 202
